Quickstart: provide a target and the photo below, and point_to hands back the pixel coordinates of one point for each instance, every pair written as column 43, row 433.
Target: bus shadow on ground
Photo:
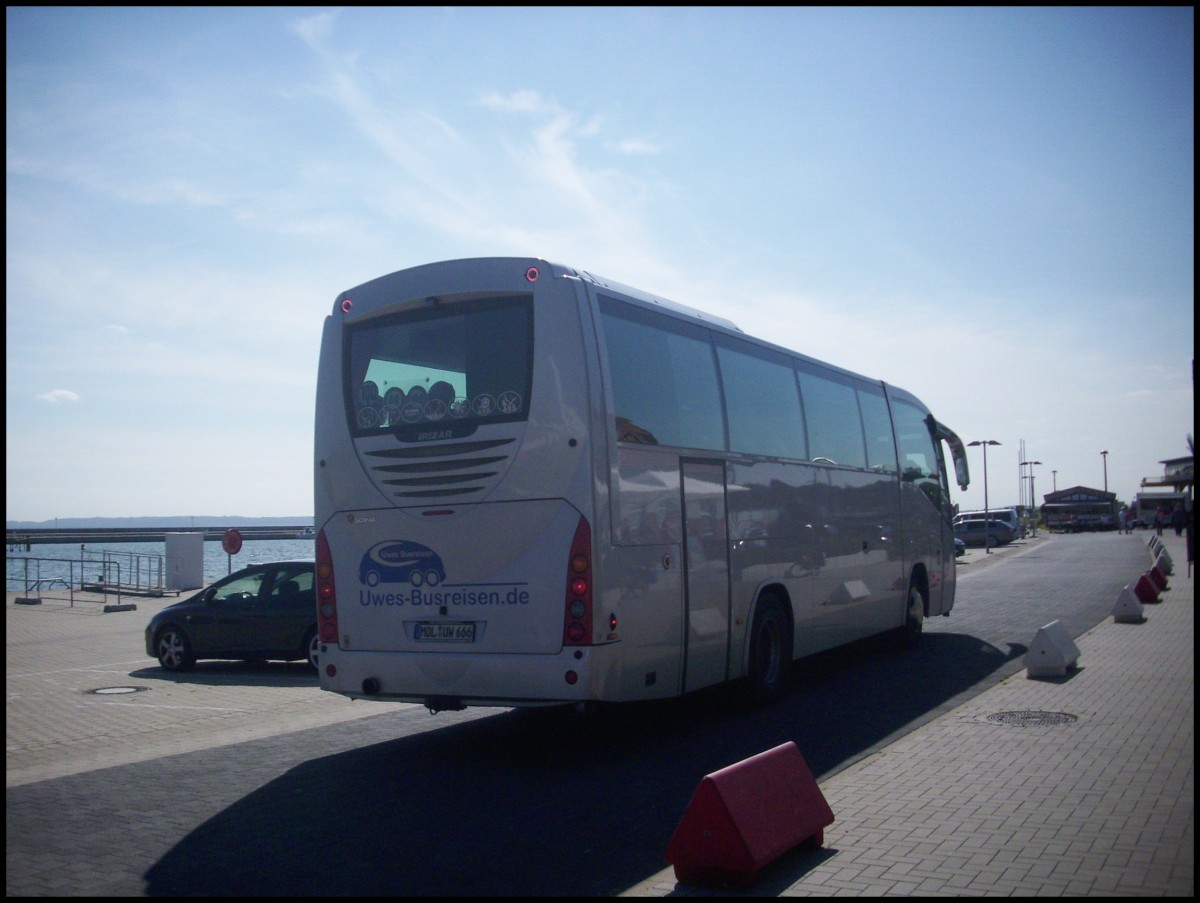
column 546, row 802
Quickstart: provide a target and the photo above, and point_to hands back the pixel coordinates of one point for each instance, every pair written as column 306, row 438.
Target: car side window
column 241, row 591
column 292, row 587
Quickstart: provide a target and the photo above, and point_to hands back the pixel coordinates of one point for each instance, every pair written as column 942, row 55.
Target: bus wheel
column 914, row 616
column 770, row 651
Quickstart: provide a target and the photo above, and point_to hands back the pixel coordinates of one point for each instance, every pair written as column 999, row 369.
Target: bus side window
column 919, row 455
column 835, row 431
column 762, row 401
column 663, row 378
column 877, row 424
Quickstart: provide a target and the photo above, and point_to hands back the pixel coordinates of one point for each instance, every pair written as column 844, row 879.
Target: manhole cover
column 116, row 691
column 1032, row 719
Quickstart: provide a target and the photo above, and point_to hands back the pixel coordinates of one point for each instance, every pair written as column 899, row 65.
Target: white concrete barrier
column 1128, row 609
column 1052, row 652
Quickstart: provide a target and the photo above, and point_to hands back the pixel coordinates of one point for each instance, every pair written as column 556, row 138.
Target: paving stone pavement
column 1086, row 789
column 66, row 713
column 1097, row 802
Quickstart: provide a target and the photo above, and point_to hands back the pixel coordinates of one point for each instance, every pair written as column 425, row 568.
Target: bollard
column 1128, row 609
column 746, row 815
column 1145, row 590
column 1052, row 652
column 1158, row 579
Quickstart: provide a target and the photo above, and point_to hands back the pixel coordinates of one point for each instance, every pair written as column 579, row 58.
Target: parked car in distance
column 264, row 611
column 960, row 548
column 1008, row 515
column 975, row 531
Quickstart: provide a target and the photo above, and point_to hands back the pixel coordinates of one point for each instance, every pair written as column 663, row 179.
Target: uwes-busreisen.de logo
column 413, row 571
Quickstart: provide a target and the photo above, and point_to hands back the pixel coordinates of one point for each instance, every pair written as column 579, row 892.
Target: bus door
column 706, row 574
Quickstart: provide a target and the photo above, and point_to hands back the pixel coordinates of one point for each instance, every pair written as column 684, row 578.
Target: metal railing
column 102, row 574
column 144, row 572
column 65, row 583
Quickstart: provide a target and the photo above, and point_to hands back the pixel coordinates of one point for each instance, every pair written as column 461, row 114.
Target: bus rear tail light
column 577, row 622
column 327, row 624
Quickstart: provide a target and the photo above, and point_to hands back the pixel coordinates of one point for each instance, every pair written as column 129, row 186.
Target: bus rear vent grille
column 453, row 470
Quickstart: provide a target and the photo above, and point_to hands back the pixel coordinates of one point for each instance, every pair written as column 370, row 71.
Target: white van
column 1006, row 515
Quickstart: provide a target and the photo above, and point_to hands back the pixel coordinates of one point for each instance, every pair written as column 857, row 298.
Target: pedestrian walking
column 1160, row 518
column 1178, row 518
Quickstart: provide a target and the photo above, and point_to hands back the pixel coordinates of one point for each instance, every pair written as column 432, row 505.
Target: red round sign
column 231, row 542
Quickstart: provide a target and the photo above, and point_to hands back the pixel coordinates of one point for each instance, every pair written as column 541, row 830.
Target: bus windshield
column 454, row 364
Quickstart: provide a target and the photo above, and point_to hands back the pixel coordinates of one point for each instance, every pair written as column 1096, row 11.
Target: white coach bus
column 534, row 486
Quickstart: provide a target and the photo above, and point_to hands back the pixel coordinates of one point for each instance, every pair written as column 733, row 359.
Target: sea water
column 73, row 562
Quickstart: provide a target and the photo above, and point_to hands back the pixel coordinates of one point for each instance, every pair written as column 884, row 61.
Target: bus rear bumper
column 450, row 681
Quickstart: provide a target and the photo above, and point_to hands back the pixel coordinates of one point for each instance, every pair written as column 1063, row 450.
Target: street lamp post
column 987, row 521
column 1112, row 509
column 1032, row 496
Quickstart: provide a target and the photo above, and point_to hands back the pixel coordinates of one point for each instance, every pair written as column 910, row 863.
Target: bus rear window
column 452, row 365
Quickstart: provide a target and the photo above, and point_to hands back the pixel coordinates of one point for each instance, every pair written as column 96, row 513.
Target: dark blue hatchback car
column 264, row 611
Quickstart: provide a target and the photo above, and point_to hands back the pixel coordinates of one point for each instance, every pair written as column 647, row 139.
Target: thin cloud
column 541, row 171
column 54, row 396
column 518, row 102
column 637, row 146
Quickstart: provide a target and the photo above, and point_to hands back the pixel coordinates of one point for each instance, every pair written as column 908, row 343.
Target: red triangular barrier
column 1145, row 590
column 1159, row 577
column 746, row 815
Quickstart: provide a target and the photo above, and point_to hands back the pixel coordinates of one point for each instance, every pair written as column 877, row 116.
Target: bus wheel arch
column 769, row 646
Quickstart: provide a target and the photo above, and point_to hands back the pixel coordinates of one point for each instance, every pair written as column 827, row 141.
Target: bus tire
column 770, row 651
column 914, row 616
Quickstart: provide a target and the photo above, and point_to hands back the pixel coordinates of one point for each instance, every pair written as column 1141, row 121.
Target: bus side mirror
column 961, row 474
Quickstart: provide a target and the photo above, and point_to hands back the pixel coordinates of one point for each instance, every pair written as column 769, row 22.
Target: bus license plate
column 429, row 632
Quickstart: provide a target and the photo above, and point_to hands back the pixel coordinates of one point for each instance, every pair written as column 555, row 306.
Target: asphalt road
column 245, row 783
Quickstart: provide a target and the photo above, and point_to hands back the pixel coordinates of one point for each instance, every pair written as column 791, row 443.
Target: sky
column 992, row 208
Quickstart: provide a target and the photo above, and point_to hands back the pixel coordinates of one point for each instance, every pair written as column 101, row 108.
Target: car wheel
column 770, row 651
column 914, row 616
column 174, row 649
column 312, row 646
